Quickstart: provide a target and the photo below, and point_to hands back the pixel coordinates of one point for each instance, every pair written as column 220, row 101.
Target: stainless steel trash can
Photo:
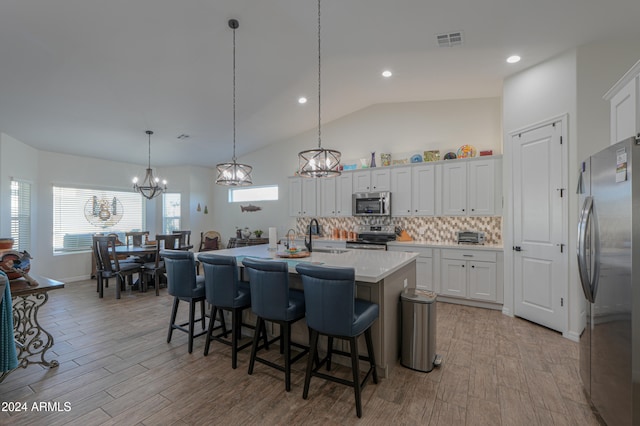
column 419, row 330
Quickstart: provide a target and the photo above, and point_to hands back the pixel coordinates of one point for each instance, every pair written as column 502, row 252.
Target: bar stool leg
column 174, row 312
column 329, row 352
column 287, row 355
column 192, row 313
column 313, row 353
column 212, row 320
column 353, row 342
column 235, row 327
column 372, row 358
column 256, row 338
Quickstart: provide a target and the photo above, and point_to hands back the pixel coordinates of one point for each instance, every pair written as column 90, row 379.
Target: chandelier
column 103, row 212
column 233, row 173
column 319, row 162
column 150, row 186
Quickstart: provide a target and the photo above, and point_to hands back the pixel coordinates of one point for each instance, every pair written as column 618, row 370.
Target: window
column 170, row 213
column 78, row 213
column 21, row 215
column 255, row 193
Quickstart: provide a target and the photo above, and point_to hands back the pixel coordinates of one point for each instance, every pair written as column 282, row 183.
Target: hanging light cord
column 319, row 64
column 149, row 133
column 234, row 94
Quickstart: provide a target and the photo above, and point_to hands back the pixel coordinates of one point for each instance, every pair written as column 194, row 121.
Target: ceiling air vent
column 449, row 39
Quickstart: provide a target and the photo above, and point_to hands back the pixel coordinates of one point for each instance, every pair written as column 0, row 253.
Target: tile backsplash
column 441, row 229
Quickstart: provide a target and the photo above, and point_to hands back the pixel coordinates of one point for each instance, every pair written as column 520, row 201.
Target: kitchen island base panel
column 385, row 330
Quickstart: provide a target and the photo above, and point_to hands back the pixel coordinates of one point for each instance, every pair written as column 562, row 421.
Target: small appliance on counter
column 470, row 237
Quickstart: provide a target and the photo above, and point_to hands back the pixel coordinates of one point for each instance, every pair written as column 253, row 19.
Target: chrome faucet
column 308, row 243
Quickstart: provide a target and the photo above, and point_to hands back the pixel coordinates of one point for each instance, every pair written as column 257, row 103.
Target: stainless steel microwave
column 372, row 204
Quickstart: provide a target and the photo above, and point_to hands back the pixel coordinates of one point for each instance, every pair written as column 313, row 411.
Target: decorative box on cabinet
column 472, row 187
column 624, row 98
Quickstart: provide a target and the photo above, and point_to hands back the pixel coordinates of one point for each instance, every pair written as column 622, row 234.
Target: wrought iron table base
column 32, row 341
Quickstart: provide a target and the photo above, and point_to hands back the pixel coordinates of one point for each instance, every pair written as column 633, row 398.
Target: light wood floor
column 116, row 368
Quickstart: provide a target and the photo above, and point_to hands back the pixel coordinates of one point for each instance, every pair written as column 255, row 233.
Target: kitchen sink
column 329, row 250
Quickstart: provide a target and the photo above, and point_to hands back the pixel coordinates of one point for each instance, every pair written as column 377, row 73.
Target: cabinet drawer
column 424, row 251
column 483, row 256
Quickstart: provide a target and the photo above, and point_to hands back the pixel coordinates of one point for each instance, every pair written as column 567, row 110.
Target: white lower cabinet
column 471, row 274
column 425, row 278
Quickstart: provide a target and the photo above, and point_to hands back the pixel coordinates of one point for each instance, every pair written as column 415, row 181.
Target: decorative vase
column 373, row 159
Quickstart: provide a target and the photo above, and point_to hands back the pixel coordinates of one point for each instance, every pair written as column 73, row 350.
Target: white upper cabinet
column 344, row 184
column 372, row 180
column 380, row 180
column 335, row 195
column 472, row 187
column 302, row 196
column 454, row 188
column 401, row 191
column 423, row 185
column 624, row 97
column 362, row 181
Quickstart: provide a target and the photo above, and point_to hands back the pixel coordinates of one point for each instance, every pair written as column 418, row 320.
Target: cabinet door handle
column 467, row 255
column 473, row 210
column 463, row 266
column 473, row 266
column 462, row 209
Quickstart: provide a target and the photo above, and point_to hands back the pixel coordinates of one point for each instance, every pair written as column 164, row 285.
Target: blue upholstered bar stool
column 183, row 284
column 333, row 310
column 225, row 292
column 272, row 300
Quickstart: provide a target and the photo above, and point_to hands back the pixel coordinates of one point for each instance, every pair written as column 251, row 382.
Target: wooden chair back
column 185, row 239
column 104, row 251
column 166, row 242
column 135, row 238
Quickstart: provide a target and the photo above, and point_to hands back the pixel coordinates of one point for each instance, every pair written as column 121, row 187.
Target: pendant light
column 319, row 162
column 233, row 173
column 150, row 186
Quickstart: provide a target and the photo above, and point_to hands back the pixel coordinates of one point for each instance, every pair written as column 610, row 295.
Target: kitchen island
column 380, row 278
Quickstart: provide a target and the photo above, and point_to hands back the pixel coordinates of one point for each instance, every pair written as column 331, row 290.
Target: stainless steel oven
column 373, row 237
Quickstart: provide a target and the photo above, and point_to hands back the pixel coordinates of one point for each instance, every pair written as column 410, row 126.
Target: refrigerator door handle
column 588, row 219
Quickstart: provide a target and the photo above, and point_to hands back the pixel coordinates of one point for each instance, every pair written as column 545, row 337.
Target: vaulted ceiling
column 88, row 77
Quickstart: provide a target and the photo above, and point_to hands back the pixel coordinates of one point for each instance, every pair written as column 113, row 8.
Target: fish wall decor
column 250, row 208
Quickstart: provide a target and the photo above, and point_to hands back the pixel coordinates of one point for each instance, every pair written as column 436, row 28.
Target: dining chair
column 109, row 266
column 185, row 239
column 184, row 285
column 135, row 239
column 226, row 292
column 155, row 269
column 333, row 310
column 273, row 300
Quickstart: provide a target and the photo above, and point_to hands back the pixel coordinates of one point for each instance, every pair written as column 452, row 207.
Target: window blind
column 72, row 230
column 21, row 215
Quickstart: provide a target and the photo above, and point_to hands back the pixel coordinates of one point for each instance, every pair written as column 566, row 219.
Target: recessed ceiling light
column 387, row 73
column 513, row 59
column 302, row 100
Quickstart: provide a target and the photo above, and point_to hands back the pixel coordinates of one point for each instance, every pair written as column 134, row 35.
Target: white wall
column 539, row 93
column 45, row 169
column 397, row 128
column 572, row 83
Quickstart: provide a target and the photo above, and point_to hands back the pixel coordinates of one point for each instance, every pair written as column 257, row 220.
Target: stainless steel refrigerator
column 609, row 269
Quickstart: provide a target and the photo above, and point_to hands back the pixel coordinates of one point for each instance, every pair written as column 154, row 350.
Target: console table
column 32, row 340
column 246, row 242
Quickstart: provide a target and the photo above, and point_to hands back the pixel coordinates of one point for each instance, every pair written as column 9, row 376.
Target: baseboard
column 506, row 311
column 571, row 335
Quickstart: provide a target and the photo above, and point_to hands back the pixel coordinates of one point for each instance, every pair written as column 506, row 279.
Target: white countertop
column 371, row 265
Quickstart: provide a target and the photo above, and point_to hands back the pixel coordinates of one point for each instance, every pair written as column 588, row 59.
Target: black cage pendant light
column 319, row 162
column 233, row 173
column 150, row 186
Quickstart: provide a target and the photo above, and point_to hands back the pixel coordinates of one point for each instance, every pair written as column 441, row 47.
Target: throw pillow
column 211, row 243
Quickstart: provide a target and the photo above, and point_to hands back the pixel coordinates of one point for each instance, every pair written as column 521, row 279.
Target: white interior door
column 540, row 256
